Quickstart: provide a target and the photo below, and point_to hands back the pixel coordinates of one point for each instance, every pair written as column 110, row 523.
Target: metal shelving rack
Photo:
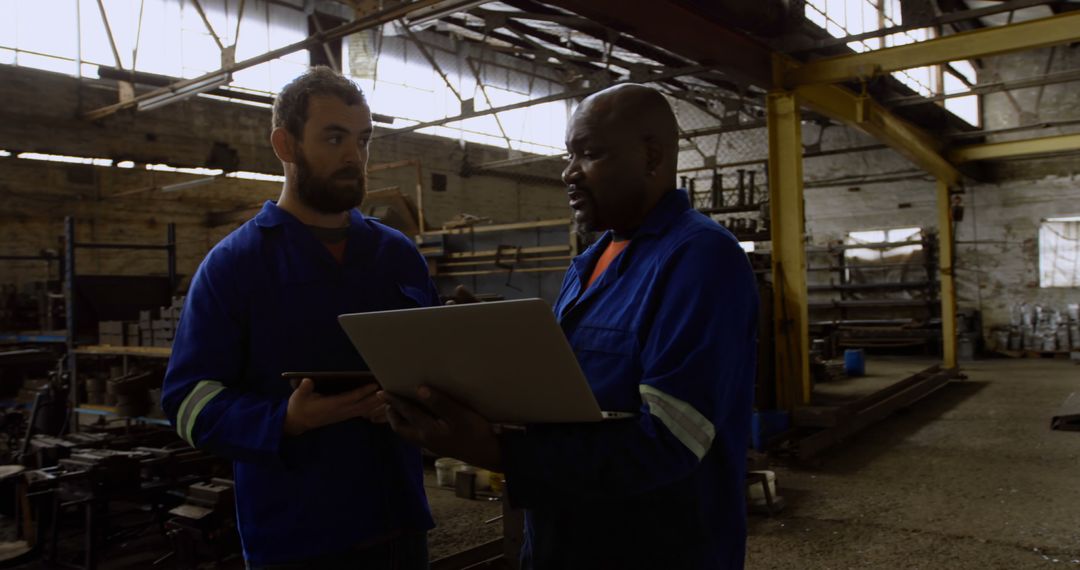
column 70, row 247
column 928, row 283
column 867, row 318
column 746, row 197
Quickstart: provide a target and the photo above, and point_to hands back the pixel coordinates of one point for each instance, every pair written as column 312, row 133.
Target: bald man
column 661, row 312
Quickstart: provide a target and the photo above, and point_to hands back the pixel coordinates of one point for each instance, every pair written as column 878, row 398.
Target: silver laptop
column 508, row 360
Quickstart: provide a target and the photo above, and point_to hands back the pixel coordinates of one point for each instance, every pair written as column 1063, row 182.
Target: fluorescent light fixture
column 184, row 91
column 1065, row 219
column 438, row 10
column 747, row 246
column 245, row 175
column 185, row 170
column 125, row 164
column 187, row 185
column 64, row 158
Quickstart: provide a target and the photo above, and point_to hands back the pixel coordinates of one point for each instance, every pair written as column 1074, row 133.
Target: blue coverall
column 266, row 301
column 668, row 331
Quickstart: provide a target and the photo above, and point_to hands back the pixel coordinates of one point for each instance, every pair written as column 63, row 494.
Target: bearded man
column 321, row 481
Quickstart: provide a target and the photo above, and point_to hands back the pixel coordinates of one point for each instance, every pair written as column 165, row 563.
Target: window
column 404, row 85
column 852, row 17
column 165, row 37
column 169, row 37
column 908, row 240
column 881, row 261
column 1059, row 252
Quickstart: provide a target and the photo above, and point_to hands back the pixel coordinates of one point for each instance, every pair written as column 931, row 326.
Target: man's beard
column 328, row 195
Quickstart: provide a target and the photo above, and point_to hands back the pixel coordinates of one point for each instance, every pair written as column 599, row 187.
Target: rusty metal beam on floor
column 1034, row 34
column 1011, row 149
column 853, row 418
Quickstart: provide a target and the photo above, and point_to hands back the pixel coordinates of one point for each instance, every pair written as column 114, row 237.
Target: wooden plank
column 500, row 227
column 147, row 351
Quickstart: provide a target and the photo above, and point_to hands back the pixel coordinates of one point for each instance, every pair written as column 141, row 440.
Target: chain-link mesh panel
column 722, row 164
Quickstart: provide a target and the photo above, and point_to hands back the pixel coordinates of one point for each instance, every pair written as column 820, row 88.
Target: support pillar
column 946, row 242
column 788, row 251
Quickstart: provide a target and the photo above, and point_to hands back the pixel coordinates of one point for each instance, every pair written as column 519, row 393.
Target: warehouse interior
column 904, row 176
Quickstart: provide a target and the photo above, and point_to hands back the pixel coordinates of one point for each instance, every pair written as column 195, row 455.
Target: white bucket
column 444, row 470
column 483, row 476
column 757, row 494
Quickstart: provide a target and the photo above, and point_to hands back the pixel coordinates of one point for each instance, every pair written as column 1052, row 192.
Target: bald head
column 624, row 147
column 635, row 110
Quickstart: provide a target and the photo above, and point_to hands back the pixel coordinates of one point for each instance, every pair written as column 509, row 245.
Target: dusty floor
column 460, row 523
column 971, row 477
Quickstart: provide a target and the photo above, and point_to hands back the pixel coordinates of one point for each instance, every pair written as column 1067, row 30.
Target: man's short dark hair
column 291, row 104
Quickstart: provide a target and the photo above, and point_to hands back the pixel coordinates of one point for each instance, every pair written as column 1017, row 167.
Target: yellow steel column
column 788, row 250
column 948, row 288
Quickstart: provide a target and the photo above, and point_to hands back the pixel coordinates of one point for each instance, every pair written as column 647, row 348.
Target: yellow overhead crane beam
column 869, row 116
column 1009, row 149
column 1034, row 34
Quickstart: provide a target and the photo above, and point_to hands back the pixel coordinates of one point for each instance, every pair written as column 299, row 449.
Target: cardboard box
column 111, row 339
column 163, row 330
column 110, row 330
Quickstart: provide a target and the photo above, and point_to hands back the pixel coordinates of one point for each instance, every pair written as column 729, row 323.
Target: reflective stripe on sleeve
column 190, row 408
column 687, row 424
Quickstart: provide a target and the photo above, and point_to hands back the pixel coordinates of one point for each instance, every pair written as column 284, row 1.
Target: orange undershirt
column 614, row 248
column 337, row 249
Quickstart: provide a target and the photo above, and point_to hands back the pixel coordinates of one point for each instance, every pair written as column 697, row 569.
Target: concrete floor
column 971, row 477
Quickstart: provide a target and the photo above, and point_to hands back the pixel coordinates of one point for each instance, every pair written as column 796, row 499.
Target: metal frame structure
column 697, row 60
column 791, row 310
column 71, row 318
column 1034, row 34
column 1013, row 149
column 793, row 84
column 390, row 14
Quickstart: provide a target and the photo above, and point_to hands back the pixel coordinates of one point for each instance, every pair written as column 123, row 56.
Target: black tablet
column 327, row 383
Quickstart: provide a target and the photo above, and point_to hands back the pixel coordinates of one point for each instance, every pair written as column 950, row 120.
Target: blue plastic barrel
column 854, row 362
column 765, row 424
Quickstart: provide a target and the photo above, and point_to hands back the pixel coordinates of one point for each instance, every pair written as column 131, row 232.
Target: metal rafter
column 108, row 31
column 1034, row 34
column 997, row 86
column 209, row 26
column 950, row 18
column 483, row 90
column 518, row 47
column 596, row 29
column 434, row 64
column 375, row 19
column 548, row 99
column 314, row 19
column 680, row 31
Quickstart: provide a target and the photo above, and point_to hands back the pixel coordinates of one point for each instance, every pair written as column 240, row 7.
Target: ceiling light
column 188, row 184
column 184, row 91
